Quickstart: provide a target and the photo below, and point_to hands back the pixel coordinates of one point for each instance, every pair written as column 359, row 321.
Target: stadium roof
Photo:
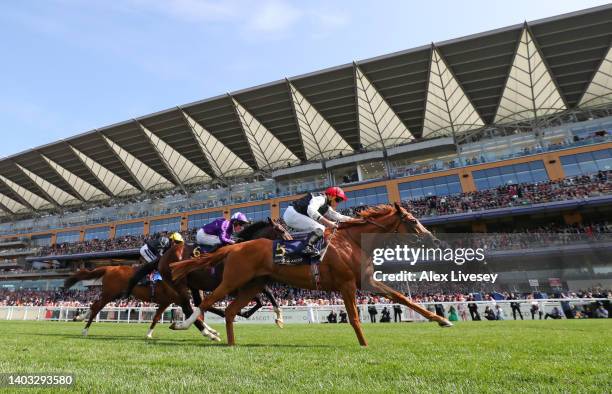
column 516, row 73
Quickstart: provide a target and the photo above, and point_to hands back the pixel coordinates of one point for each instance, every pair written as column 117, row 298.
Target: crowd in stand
column 104, row 245
column 543, row 236
column 95, row 245
column 520, row 238
column 514, row 195
column 288, row 296
column 507, row 196
column 48, row 297
column 500, row 197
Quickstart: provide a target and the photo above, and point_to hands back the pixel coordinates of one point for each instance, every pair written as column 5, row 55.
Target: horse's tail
column 83, row 274
column 182, row 268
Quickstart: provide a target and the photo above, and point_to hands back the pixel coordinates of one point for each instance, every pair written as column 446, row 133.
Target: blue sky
column 71, row 66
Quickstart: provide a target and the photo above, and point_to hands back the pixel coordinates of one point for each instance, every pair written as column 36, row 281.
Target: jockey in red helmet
column 315, row 212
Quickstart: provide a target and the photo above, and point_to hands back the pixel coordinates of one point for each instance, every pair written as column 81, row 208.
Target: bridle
column 405, row 218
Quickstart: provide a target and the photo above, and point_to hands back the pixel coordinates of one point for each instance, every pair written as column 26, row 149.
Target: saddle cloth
column 200, row 249
column 290, row 252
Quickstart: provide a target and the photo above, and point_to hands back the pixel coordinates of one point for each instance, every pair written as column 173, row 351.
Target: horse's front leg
column 277, row 310
column 192, row 317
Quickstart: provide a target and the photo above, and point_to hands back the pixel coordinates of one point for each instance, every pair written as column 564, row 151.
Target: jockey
column 219, row 232
column 151, row 252
column 315, row 213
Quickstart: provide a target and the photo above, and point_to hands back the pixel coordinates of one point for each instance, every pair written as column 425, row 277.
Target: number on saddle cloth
column 203, row 248
column 290, row 252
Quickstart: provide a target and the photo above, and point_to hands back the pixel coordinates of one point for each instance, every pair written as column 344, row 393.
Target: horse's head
column 172, row 255
column 175, row 253
column 264, row 229
column 395, row 219
column 408, row 224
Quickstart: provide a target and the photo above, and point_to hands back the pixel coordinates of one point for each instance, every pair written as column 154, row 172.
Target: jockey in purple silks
column 219, row 232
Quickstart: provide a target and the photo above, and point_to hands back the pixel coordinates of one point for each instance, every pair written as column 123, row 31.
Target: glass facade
column 67, row 237
column 489, row 147
column 97, row 233
column 302, row 184
column 490, row 178
column 129, row 229
column 165, row 225
column 255, row 213
column 371, row 196
column 440, row 186
column 253, row 191
column 372, row 170
column 587, row 163
column 41, row 240
column 344, row 175
column 200, row 219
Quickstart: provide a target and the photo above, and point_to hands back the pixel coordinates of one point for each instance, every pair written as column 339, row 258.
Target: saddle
column 199, row 250
column 290, row 252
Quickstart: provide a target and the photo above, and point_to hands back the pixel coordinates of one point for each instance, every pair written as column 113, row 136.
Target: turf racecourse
column 507, row 356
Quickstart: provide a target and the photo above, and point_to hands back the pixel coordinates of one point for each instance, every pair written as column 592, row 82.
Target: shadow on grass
column 175, row 342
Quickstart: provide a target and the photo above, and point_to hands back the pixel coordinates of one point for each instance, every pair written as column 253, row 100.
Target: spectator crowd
column 289, row 296
column 501, row 197
column 94, row 245
column 507, row 196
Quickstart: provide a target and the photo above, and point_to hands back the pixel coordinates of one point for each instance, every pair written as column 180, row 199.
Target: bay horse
column 114, row 282
column 208, row 280
column 339, row 271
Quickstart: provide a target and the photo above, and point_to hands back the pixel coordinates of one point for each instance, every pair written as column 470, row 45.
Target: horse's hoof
column 85, row 332
column 178, row 326
column 149, row 337
column 445, row 323
column 208, row 334
column 280, row 323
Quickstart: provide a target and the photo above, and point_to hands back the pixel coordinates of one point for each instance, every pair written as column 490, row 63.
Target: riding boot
column 143, row 271
column 310, row 248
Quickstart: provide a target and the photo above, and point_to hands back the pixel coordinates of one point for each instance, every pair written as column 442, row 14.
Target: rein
column 404, row 218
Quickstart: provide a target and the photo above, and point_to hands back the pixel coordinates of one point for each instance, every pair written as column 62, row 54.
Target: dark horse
column 208, row 280
column 114, row 282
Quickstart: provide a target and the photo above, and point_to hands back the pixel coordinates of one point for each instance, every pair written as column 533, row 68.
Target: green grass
column 508, row 356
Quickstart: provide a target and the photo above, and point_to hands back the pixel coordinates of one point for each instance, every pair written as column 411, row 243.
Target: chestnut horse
column 114, row 282
column 208, row 280
column 339, row 271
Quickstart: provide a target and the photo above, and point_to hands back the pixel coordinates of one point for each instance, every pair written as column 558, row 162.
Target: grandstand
column 495, row 132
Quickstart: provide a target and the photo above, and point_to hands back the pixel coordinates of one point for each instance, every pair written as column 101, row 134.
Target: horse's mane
column 249, row 232
column 376, row 211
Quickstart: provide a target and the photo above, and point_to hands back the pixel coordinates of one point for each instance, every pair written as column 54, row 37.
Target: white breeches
column 206, row 239
column 301, row 222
